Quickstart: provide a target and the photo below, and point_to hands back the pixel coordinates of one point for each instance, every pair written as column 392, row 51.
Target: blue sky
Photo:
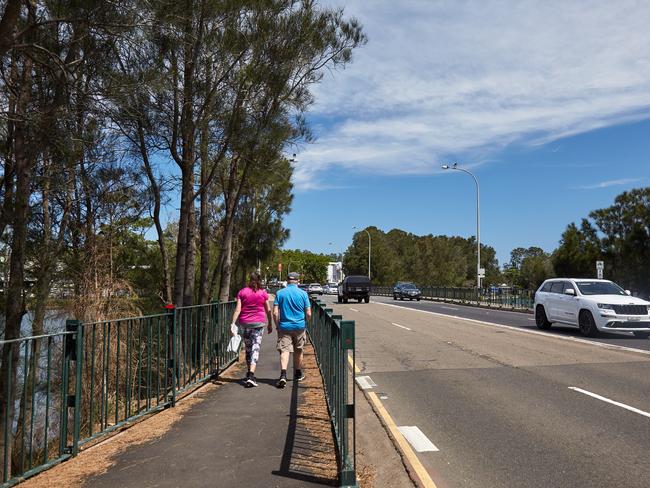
column 548, row 103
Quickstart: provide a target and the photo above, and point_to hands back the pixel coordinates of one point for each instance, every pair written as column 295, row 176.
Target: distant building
column 335, row 272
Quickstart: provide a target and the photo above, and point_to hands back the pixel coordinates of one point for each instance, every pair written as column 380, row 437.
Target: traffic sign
column 481, row 272
column 600, row 264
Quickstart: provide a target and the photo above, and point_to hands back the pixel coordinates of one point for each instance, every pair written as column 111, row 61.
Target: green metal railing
column 71, row 387
column 514, row 299
column 333, row 341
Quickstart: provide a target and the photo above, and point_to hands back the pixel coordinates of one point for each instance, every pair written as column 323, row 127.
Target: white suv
column 592, row 305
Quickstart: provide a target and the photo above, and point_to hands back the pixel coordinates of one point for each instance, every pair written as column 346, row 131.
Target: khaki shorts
column 288, row 340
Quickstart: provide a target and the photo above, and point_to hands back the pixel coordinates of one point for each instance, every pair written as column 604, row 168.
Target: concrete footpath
column 225, row 435
column 239, row 436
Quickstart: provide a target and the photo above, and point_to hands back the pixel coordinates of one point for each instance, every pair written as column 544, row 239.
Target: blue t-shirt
column 292, row 302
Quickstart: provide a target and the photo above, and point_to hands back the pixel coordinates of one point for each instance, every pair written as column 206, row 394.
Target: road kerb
column 414, row 468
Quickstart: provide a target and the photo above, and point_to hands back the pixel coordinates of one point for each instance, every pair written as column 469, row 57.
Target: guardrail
column 514, row 299
column 333, row 341
column 71, row 387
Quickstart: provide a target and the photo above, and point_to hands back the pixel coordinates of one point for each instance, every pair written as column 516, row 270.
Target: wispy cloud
column 608, row 183
column 464, row 79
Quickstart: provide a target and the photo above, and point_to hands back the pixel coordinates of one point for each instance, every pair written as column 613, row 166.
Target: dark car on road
column 354, row 287
column 406, row 290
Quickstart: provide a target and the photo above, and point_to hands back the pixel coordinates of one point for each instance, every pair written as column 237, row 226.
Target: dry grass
column 99, row 458
column 316, row 455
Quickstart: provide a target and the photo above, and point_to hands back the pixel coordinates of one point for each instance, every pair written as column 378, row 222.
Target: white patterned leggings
column 253, row 343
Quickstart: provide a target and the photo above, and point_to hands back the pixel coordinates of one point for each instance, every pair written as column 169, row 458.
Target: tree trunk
column 204, row 285
column 15, row 308
column 190, row 262
column 155, row 190
column 181, row 242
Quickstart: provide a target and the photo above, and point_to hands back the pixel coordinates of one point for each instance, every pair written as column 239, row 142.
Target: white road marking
column 618, row 404
column 532, row 320
column 401, row 326
column 365, row 382
column 417, row 439
column 353, row 309
column 522, row 330
column 448, row 308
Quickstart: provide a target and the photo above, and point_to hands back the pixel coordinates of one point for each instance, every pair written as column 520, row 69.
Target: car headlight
column 605, row 306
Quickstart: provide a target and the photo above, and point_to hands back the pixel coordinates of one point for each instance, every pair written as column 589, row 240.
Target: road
column 508, row 405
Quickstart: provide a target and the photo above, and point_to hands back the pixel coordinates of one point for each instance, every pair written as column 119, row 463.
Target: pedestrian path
column 236, row 436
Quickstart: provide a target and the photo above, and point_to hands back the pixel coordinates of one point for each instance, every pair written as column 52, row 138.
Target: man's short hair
column 294, row 276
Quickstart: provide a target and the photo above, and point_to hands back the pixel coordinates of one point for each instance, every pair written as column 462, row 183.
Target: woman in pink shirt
column 251, row 315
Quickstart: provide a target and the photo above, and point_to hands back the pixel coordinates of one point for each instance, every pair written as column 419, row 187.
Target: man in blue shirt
column 291, row 310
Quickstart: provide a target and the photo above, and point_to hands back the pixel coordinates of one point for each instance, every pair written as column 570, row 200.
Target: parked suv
column 592, row 305
column 406, row 290
column 354, row 287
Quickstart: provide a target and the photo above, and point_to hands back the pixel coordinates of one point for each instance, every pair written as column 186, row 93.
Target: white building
column 335, row 272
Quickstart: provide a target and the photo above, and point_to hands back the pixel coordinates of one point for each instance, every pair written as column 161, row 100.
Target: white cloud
column 465, row 78
column 608, row 183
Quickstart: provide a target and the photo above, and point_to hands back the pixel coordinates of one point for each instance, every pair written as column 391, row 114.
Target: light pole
column 369, row 248
column 478, row 221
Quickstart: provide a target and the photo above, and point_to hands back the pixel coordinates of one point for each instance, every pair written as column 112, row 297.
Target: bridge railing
column 68, row 388
column 333, row 341
column 514, row 299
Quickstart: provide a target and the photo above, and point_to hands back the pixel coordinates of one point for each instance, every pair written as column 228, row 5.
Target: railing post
column 73, row 352
column 170, row 310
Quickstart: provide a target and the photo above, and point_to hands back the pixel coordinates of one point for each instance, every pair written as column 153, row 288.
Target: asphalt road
column 508, row 406
column 515, row 319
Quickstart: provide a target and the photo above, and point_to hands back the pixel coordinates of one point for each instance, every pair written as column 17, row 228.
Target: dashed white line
column 604, row 399
column 365, row 382
column 353, row 309
column 400, row 326
column 417, row 439
column 448, row 308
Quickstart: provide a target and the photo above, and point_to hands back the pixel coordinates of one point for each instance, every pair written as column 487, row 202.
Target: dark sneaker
column 282, row 382
column 298, row 375
column 251, row 381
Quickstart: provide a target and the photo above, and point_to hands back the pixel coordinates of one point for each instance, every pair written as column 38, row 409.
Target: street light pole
column 369, row 248
column 478, row 221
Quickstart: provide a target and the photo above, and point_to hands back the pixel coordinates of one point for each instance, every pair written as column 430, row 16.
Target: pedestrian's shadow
column 304, row 458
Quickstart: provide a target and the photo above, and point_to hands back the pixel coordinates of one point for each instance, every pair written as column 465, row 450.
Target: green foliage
column 528, row 267
column 619, row 235
column 426, row 260
column 311, row 266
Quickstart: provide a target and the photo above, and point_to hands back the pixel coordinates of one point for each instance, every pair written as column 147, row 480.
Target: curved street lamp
column 478, row 220
column 369, row 247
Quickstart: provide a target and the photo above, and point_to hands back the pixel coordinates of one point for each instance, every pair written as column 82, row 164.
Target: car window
column 600, row 288
column 547, row 286
column 557, row 287
column 567, row 285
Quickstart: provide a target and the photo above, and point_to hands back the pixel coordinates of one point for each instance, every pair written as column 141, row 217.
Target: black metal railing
column 514, row 298
column 66, row 389
column 333, row 341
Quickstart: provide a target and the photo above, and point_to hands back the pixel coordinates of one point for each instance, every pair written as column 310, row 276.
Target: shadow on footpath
column 306, row 456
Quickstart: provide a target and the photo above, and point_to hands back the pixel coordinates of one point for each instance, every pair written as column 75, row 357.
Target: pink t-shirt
column 252, row 306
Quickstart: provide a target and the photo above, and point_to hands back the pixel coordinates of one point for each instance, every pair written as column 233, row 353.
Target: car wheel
column 367, row 299
column 418, row 299
column 642, row 334
column 401, row 298
column 359, row 300
column 338, row 299
column 587, row 324
column 394, row 297
column 540, row 318
column 345, row 300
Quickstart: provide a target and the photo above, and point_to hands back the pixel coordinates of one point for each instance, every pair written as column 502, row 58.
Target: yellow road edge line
column 402, row 443
column 404, row 446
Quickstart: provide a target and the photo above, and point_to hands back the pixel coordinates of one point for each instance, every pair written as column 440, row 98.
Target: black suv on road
column 354, row 287
column 406, row 290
